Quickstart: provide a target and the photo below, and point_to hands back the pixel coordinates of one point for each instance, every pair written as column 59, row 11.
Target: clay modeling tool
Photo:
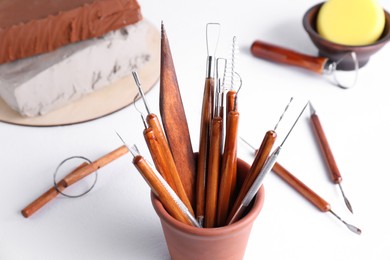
column 162, row 190
column 228, row 179
column 94, row 166
column 174, row 120
column 212, row 36
column 79, row 173
column 309, row 194
column 159, row 149
column 327, row 152
column 215, row 151
column 319, row 65
column 305, row 191
column 47, row 196
column 261, row 156
column 260, row 177
column 221, row 66
column 232, row 77
column 228, row 168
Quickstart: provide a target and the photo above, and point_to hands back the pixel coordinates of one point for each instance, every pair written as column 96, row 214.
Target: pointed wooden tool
column 174, row 119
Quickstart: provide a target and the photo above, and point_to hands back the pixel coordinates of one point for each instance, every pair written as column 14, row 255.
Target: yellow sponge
column 351, row 22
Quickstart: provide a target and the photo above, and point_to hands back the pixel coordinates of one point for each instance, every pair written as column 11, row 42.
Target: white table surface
column 116, row 220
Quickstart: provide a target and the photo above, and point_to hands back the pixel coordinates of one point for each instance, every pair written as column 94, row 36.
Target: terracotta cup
column 227, row 242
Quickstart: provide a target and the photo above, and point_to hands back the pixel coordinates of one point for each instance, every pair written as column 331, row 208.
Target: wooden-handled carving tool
column 309, row 194
column 327, row 152
column 214, row 165
column 212, row 36
column 228, row 168
column 162, row 190
column 261, row 156
column 306, row 192
column 159, row 148
column 215, row 151
column 269, row 163
column 174, row 120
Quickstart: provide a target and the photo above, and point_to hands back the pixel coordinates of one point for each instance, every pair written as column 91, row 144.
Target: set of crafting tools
column 334, row 173
column 201, row 189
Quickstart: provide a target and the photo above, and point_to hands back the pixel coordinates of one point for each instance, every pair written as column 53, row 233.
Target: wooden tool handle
column 165, row 164
column 157, row 156
column 258, row 163
column 159, row 190
column 282, row 55
column 300, row 187
column 47, row 196
column 230, row 100
column 325, row 148
column 174, row 120
column 207, row 107
column 214, row 163
column 228, row 168
column 90, row 168
column 42, row 200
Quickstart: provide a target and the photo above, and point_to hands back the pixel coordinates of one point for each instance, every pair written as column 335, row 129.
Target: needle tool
column 215, row 150
column 271, row 160
column 329, row 158
column 212, row 38
column 228, row 180
column 305, row 191
column 174, row 120
column 309, row 194
column 160, row 151
column 171, row 202
column 261, row 156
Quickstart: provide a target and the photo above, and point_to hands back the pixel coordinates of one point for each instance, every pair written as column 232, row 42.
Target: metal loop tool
column 56, row 172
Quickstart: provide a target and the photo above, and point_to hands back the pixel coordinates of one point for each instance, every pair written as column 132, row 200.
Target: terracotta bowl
column 227, row 242
column 335, row 51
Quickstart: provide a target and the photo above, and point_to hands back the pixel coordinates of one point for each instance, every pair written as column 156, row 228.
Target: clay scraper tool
column 174, row 120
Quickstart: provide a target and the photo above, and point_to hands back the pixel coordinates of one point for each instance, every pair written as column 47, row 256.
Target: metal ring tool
column 56, row 172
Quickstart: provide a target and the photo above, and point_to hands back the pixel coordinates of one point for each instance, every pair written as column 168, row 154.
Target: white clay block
column 36, row 85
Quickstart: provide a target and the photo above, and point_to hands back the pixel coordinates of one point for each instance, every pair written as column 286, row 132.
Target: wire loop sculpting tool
column 160, row 151
column 76, row 175
column 220, row 88
column 215, row 150
column 271, row 160
column 94, row 166
column 59, row 187
column 213, row 176
column 48, row 195
column 319, row 65
column 212, row 36
column 327, row 152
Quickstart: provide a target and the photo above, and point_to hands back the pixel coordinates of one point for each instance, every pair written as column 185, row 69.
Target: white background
column 117, row 221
